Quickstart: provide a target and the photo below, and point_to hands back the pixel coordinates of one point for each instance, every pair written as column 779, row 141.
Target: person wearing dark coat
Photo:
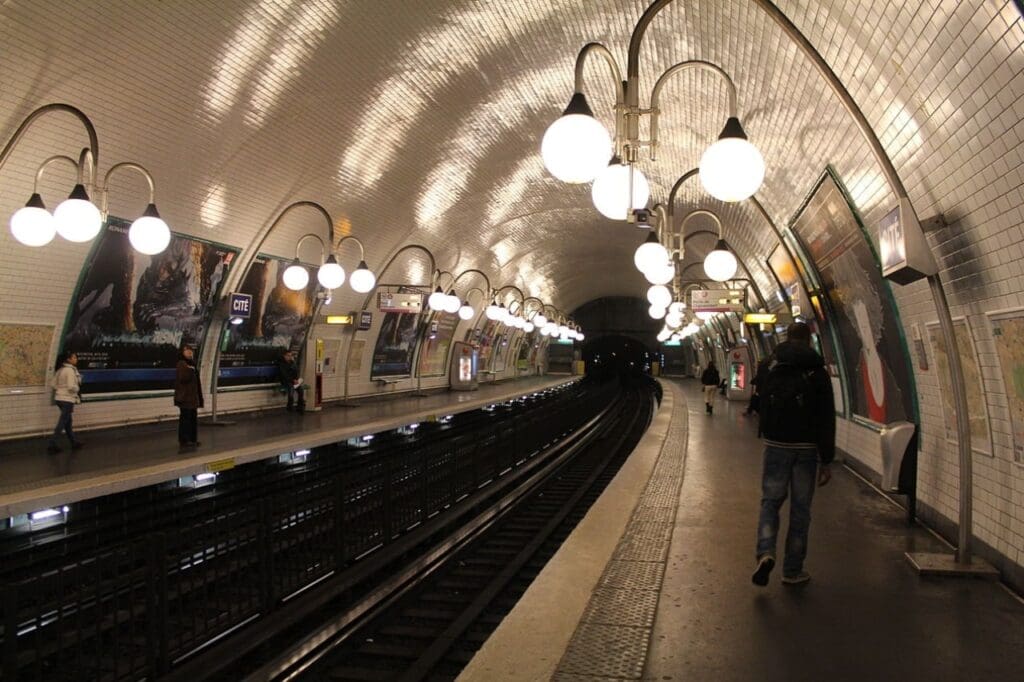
column 288, row 373
column 188, row 397
column 758, row 380
column 710, row 380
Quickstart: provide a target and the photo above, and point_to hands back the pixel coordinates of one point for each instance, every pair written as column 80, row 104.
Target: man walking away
column 709, row 379
column 288, row 372
column 798, row 422
column 755, row 392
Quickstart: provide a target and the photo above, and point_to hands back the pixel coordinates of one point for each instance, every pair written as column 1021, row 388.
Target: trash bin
column 895, row 439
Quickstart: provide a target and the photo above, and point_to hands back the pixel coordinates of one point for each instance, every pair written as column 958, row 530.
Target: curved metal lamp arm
column 407, row 247
column 473, row 271
column 483, row 294
column 310, row 235
column 362, row 251
column 688, row 65
column 613, row 66
column 663, row 222
column 47, row 163
column 436, row 279
column 534, row 298
column 513, row 287
column 126, row 165
column 94, row 145
column 699, row 212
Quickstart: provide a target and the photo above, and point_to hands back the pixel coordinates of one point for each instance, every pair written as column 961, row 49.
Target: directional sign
column 717, row 300
column 241, row 305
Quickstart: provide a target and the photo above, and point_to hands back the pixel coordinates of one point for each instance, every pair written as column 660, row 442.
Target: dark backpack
column 788, row 409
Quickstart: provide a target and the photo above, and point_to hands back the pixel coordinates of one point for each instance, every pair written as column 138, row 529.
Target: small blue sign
column 241, row 305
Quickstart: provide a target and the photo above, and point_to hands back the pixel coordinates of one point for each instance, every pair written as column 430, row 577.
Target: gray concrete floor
column 865, row 615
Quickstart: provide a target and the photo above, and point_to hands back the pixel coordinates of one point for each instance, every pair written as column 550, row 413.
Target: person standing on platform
column 288, row 372
column 188, row 396
column 799, row 427
column 67, row 387
column 755, row 393
column 710, row 380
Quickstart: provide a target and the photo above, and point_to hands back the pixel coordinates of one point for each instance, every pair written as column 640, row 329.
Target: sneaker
column 798, row 579
column 764, row 567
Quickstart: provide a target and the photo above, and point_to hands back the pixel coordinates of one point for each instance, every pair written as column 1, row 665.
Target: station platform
column 654, row 583
column 126, row 458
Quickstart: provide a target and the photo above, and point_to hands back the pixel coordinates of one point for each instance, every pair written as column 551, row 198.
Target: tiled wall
column 420, row 122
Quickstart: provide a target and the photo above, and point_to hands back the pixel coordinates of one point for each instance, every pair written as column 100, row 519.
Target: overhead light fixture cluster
column 77, row 218
column 330, row 274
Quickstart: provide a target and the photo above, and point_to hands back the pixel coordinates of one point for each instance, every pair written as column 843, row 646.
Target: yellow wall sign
column 339, row 319
column 760, row 318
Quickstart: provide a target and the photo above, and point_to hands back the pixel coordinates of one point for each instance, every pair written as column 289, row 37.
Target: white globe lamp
column 149, row 233
column 295, row 276
column 662, row 274
column 362, row 280
column 650, row 254
column 732, row 169
column 539, row 320
column 32, row 224
column 452, row 303
column 436, row 301
column 529, row 327
column 676, row 307
column 77, row 218
column 656, row 312
column 720, row 265
column 493, row 312
column 659, row 296
column 466, row 311
column 576, row 146
column 331, row 275
column 611, row 194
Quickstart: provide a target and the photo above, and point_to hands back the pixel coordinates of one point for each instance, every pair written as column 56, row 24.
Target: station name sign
column 388, row 302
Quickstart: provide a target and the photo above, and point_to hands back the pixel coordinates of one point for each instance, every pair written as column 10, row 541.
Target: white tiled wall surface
column 420, row 122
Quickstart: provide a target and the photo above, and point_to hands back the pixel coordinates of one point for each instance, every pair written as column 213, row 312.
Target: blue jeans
column 63, row 422
column 787, row 471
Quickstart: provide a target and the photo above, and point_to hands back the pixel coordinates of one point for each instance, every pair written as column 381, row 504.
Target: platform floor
column 685, row 609
column 125, row 458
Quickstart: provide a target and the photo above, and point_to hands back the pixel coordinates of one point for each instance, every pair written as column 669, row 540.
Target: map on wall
column 977, row 412
column 1008, row 334
column 24, row 354
column 858, row 305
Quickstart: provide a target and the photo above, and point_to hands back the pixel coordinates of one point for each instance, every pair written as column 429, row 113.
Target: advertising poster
column 278, row 322
column 977, row 412
column 502, row 346
column 858, row 304
column 788, row 278
column 396, row 343
column 24, row 354
column 1008, row 335
column 484, row 339
column 132, row 312
column 434, row 353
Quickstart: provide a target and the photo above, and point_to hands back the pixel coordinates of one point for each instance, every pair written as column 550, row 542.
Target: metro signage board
column 389, row 302
column 717, row 300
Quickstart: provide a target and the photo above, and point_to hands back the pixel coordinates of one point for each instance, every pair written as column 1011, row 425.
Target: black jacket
column 820, row 430
column 710, row 377
column 287, row 372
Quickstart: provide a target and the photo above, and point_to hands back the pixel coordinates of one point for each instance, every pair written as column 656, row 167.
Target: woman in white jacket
column 67, row 386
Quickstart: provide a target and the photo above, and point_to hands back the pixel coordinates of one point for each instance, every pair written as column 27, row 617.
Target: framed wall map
column 1008, row 335
column 24, row 354
column 977, row 412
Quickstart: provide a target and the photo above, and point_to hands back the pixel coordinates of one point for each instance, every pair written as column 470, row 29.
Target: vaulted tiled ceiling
column 421, row 121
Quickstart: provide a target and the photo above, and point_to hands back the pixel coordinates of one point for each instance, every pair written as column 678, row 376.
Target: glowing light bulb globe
column 575, row 148
column 436, row 301
column 649, row 255
column 149, row 235
column 610, row 191
column 659, row 296
column 466, row 312
column 732, row 169
column 676, row 307
column 493, row 312
column 32, row 224
column 362, row 280
column 529, row 327
column 673, row 320
column 539, row 320
column 656, row 312
column 661, row 275
column 296, row 277
column 720, row 265
column 331, row 275
column 452, row 304
column 77, row 219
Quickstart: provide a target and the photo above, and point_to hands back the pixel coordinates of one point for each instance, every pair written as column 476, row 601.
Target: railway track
column 432, row 624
